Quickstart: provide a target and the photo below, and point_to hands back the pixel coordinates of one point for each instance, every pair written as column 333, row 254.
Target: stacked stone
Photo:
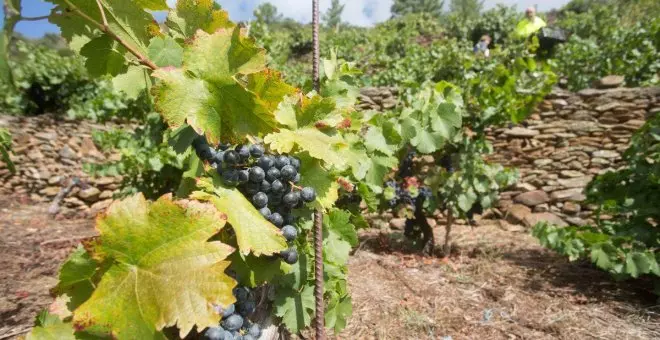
column 48, row 154
column 571, row 138
column 377, row 98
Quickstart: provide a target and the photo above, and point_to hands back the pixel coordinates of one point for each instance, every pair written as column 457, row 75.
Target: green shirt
column 527, row 27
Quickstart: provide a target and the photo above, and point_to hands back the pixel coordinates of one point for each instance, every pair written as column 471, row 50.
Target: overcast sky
column 357, row 12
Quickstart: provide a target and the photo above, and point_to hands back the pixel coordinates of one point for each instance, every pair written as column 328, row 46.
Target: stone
column 90, row 194
column 103, row 181
column 570, row 173
column 599, row 161
column 532, row 198
column 521, row 132
column 559, row 103
column 524, row 187
column 68, row 153
column 576, row 182
column 571, row 208
column 606, row 154
column 550, row 218
column 517, row 213
column 543, row 162
column 108, row 194
column 609, row 82
column 34, row 155
column 46, row 136
column 50, row 191
column 74, row 202
column 541, row 208
column 573, row 194
column 100, row 206
column 54, row 180
column 398, row 223
column 607, row 107
column 573, row 220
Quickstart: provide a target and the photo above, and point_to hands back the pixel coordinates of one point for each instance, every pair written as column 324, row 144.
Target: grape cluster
column 446, row 163
column 406, row 165
column 235, row 324
column 403, row 196
column 267, row 180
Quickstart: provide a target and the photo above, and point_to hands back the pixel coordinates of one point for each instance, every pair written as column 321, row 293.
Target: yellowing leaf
column 329, row 149
column 253, row 233
column 325, row 184
column 163, row 271
column 51, row 328
column 193, row 15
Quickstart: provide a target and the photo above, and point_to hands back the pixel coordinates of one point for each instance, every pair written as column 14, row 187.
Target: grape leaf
column 76, row 277
column 446, row 120
column 337, row 313
column 319, row 145
column 368, row 196
column 253, row 233
column 104, row 55
column 133, row 82
column 193, row 15
column 207, row 94
column 164, row 271
column 295, row 308
column 313, row 175
column 338, row 221
column 375, row 141
column 253, row 271
column 50, row 327
column 335, row 248
column 303, row 111
column 600, row 258
column 165, row 51
column 154, row 5
column 427, row 142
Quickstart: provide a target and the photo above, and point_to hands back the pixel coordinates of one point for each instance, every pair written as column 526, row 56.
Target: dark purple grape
column 252, row 188
column 218, row 157
column 243, row 176
column 276, row 186
column 295, row 162
column 308, row 194
column 230, row 177
column 246, row 308
column 276, row 219
column 289, row 232
column 288, row 172
column 265, row 212
column 272, row 174
column 265, row 186
column 256, row 150
column 243, row 152
column 296, row 179
column 289, row 218
column 228, row 311
column 231, row 157
column 254, row 330
column 291, row 199
column 233, row 322
column 282, row 161
column 257, row 174
column 265, row 162
column 241, row 293
column 215, row 333
column 290, row 255
column 260, row 200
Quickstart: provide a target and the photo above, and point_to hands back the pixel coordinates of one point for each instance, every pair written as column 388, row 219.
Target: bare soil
column 499, row 284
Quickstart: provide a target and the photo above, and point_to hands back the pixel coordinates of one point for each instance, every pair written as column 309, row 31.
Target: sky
column 356, row 12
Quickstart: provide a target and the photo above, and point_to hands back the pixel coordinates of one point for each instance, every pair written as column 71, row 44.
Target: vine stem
column 318, row 215
column 446, row 249
column 106, row 29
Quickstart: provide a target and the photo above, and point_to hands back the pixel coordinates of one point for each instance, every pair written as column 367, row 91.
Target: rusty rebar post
column 319, row 323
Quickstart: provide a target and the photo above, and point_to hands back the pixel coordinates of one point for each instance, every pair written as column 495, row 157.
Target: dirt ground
column 499, row 285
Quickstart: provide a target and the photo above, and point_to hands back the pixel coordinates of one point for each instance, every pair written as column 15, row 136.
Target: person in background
column 482, row 45
column 530, row 24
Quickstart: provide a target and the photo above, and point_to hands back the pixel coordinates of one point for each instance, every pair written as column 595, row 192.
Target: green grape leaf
column 181, row 138
column 466, row 200
column 193, row 15
column 446, row 120
column 164, row 271
column 313, row 175
column 296, row 278
column 337, row 313
column 104, row 56
column 335, row 248
column 165, row 51
column 368, row 196
column 76, row 277
column 133, row 83
column 600, row 258
column 319, row 145
column 50, row 327
column 253, row 232
column 207, row 94
column 154, row 5
column 302, row 111
column 338, row 221
column 378, row 169
column 253, row 271
column 637, row 264
column 427, row 142
column 295, row 308
column 375, row 141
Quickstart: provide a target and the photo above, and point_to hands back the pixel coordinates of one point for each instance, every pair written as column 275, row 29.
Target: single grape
column 254, row 330
column 308, row 194
column 291, row 199
column 295, row 162
column 243, row 152
column 230, row 177
column 246, row 308
column 205, row 152
column 276, row 219
column 218, row 158
column 265, row 162
column 272, row 174
column 289, row 232
column 275, row 199
column 228, row 311
column 265, row 212
column 260, row 200
column 199, row 141
column 257, row 174
column 252, row 188
column 290, row 255
column 243, row 176
column 276, row 186
column 288, row 172
column 296, row 179
column 233, row 322
column 265, row 186
column 231, row 157
column 282, row 161
column 241, row 293
column 256, row 150
column 215, row 333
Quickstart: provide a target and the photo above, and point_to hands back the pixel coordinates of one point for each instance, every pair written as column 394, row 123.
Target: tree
column 403, row 7
column 267, row 13
column 332, row 18
column 466, row 9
